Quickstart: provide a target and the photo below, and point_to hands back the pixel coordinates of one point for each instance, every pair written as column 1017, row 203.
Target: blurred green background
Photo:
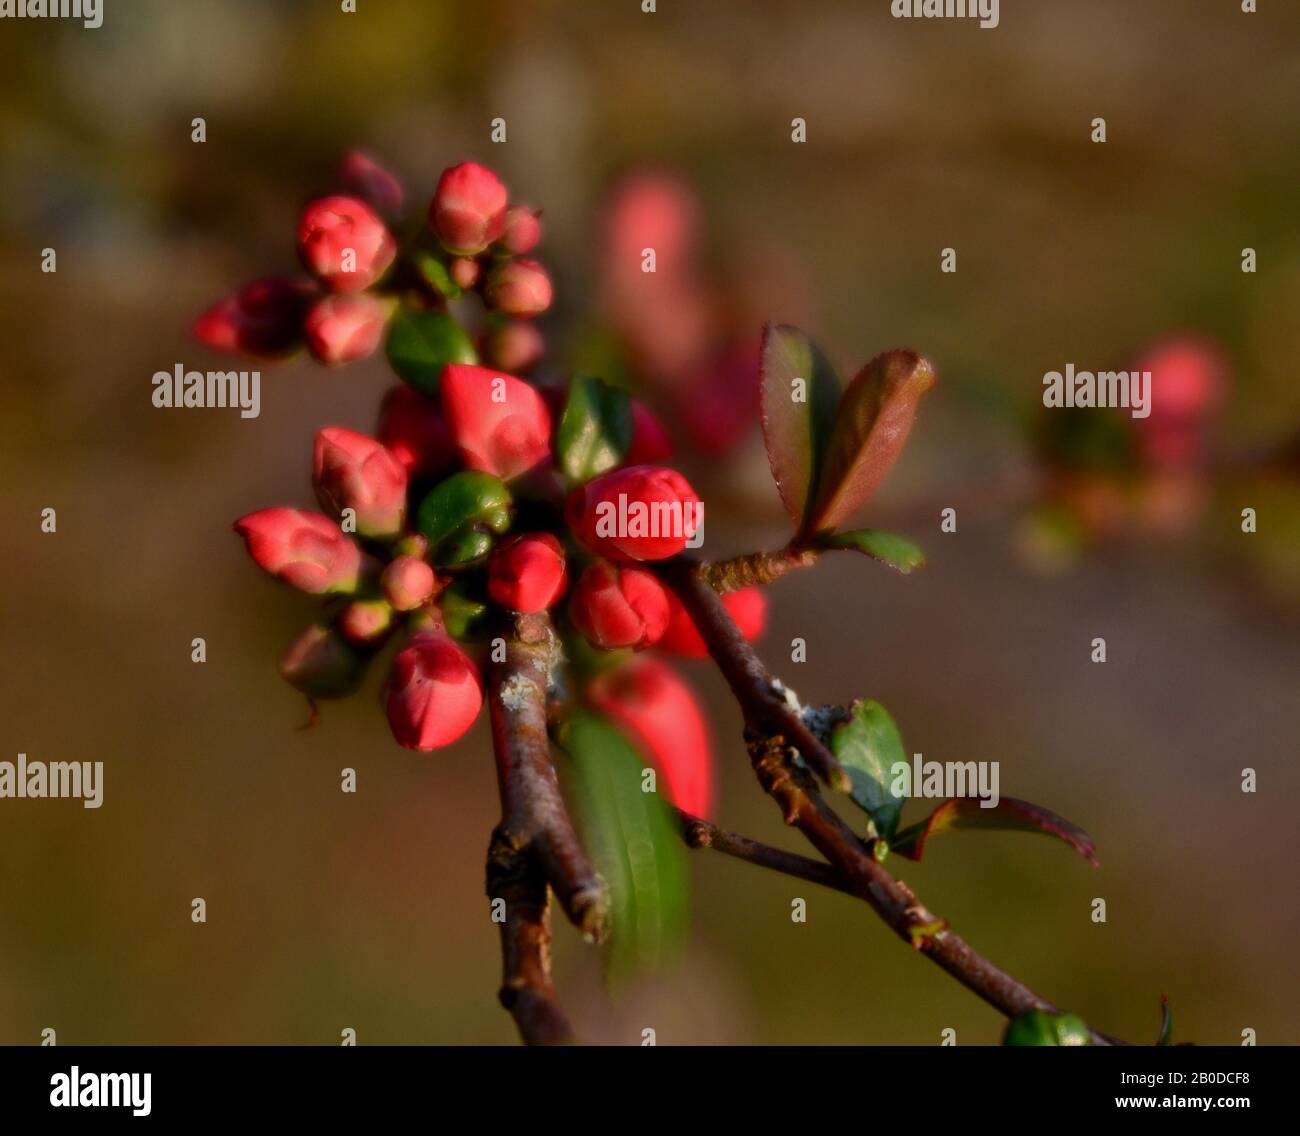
column 329, row 911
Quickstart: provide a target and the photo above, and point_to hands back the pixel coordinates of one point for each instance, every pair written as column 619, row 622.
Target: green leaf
column 889, row 548
column 460, row 516
column 1039, row 1027
column 799, row 392
column 595, row 429
column 436, row 275
column 872, row 423
column 1008, row 815
column 421, row 342
column 868, row 746
column 633, row 840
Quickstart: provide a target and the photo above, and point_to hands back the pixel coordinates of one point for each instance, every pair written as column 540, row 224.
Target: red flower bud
column 365, row 622
column 353, row 471
column 617, row 606
column 465, row 271
column 433, row 693
column 650, row 444
column 1188, row 377
column 516, row 347
column 661, row 715
column 408, row 583
column 519, row 288
column 747, row 608
column 643, row 512
column 468, row 211
column 365, row 178
column 262, row 319
column 321, row 665
column 303, row 549
column 412, row 427
column 499, row 423
column 343, row 242
column 527, row 572
column 342, row 329
column 523, row 230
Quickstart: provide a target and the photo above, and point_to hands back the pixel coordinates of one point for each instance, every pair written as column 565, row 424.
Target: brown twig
column 770, row 748
column 527, row 992
column 703, row 834
column 756, row 568
column 759, row 695
column 535, row 844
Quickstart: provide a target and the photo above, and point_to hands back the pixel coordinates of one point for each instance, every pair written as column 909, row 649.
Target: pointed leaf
column 632, row 839
column 1008, row 814
column 420, row 343
column 889, row 548
column 437, row 275
column 1166, row 1022
column 798, row 416
column 868, row 746
column 871, row 425
column 595, row 429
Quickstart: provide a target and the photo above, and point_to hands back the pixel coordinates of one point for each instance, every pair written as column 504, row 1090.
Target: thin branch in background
column 771, row 754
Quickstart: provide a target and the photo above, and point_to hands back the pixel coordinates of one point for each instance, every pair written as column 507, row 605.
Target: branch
column 526, row 988
column 535, row 844
column 771, row 750
column 757, row 568
column 760, row 696
column 699, row 833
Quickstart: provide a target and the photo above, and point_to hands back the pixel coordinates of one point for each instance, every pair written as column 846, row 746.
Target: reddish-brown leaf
column 872, row 423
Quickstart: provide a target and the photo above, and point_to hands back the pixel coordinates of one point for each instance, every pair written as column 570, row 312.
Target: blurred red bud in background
column 747, row 608
column 263, row 319
column 661, row 715
column 523, row 230
column 468, row 210
column 362, row 176
column 343, row 243
column 343, row 329
column 519, row 288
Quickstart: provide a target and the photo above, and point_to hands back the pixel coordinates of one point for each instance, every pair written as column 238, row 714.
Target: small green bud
column 461, row 515
column 1038, row 1027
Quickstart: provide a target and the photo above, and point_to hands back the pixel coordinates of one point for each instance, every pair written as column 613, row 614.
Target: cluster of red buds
column 480, row 495
column 1108, row 474
column 534, row 533
column 478, row 244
